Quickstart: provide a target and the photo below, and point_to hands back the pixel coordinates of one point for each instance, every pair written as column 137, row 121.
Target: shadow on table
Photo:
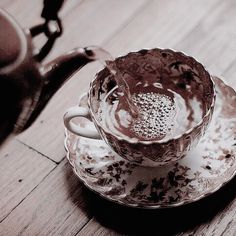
column 165, row 221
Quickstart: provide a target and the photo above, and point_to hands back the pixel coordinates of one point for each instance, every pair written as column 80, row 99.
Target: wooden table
column 39, row 194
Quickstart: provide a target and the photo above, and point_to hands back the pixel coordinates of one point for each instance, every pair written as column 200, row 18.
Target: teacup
column 175, row 99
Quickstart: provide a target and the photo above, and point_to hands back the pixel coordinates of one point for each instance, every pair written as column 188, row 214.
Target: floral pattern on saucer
column 203, row 171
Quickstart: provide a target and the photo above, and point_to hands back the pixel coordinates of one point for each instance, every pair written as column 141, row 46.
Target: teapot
column 26, row 85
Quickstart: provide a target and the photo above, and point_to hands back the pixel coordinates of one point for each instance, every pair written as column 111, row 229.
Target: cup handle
column 89, row 131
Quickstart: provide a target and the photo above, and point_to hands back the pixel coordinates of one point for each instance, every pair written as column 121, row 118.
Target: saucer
column 202, row 172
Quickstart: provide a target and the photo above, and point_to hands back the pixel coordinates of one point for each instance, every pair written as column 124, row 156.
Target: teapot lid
column 10, row 40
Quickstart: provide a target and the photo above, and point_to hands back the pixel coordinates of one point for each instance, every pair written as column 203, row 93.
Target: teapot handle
column 52, row 27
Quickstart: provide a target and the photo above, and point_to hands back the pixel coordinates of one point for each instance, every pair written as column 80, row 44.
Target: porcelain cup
column 167, row 69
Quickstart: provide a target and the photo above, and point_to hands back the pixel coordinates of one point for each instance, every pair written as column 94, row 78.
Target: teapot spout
column 57, row 72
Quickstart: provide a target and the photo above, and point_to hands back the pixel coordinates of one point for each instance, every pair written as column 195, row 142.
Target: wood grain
column 55, row 207
column 222, row 224
column 94, row 228
column 212, row 41
column 160, row 24
column 21, row 170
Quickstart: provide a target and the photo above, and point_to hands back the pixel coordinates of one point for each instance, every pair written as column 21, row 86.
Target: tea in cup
column 160, row 113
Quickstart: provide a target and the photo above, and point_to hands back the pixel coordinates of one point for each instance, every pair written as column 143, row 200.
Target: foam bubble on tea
column 156, row 115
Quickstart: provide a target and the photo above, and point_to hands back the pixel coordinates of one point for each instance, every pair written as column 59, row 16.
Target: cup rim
column 161, row 141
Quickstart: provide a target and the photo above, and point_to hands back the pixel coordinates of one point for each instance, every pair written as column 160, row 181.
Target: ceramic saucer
column 202, row 172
